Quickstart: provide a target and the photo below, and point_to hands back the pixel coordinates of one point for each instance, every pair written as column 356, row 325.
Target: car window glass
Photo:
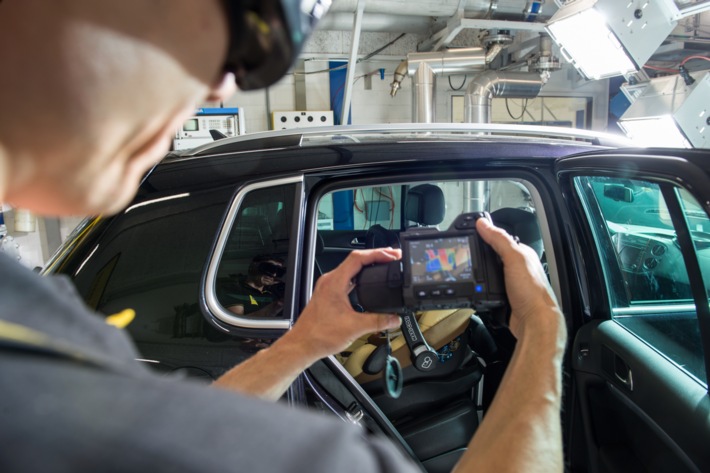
column 150, row 259
column 359, row 209
column 644, row 269
column 251, row 277
column 363, row 207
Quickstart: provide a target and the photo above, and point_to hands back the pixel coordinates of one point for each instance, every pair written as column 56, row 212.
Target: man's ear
column 221, row 91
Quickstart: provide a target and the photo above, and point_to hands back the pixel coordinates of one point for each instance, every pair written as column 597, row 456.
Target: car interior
column 437, row 410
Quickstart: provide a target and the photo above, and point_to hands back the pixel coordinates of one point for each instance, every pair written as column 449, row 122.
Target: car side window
column 150, row 259
column 644, row 270
column 251, row 277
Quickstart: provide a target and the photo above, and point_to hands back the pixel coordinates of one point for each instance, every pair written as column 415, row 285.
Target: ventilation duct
column 423, row 69
column 484, row 87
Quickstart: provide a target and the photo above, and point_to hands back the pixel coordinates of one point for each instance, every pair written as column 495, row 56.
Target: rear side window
column 644, row 269
column 251, row 278
column 150, row 259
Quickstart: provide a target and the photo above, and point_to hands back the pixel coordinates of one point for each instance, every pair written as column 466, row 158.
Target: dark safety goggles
column 271, row 269
column 266, row 37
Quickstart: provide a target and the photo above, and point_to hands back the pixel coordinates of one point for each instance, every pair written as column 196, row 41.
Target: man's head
column 266, row 270
column 92, row 92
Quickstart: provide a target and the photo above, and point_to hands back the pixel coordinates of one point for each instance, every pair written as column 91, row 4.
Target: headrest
column 378, row 236
column 425, row 205
column 522, row 223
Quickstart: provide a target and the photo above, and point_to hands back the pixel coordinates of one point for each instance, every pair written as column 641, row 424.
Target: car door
column 639, row 396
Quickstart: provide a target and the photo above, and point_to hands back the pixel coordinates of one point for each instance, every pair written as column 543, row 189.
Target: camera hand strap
column 424, row 357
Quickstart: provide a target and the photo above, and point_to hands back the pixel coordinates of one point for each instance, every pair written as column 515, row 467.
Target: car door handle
column 357, row 242
column 623, row 373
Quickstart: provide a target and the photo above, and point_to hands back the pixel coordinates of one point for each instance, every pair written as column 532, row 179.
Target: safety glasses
column 266, row 37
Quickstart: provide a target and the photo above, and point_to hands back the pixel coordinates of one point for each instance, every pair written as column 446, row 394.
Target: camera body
column 439, row 270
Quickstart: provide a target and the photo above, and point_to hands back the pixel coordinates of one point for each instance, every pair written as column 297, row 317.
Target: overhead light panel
column 605, row 38
column 671, row 113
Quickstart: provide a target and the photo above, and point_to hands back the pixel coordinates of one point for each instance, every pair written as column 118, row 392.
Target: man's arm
column 327, row 325
column 521, row 431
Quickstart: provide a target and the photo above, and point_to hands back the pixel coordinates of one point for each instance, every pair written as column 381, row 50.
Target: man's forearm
column 270, row 372
column 521, row 431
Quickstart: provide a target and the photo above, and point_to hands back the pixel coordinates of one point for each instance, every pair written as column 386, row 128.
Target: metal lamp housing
column 605, row 38
column 670, row 100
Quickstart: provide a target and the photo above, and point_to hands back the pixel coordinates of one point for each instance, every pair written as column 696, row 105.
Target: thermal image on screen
column 442, row 259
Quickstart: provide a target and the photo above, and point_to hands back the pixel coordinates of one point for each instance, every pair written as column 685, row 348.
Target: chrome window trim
column 219, row 311
column 652, row 309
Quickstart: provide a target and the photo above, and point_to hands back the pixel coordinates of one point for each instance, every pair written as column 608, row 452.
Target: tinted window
column 150, row 258
column 644, row 269
column 252, row 272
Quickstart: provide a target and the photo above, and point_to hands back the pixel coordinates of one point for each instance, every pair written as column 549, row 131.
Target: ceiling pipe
column 485, row 86
column 423, row 69
column 479, row 97
column 377, row 22
column 498, row 9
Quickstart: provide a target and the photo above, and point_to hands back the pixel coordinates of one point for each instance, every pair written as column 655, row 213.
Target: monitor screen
column 190, row 125
column 441, row 260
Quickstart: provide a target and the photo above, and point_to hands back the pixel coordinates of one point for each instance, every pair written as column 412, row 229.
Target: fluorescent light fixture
column 605, row 38
column 670, row 113
column 656, row 131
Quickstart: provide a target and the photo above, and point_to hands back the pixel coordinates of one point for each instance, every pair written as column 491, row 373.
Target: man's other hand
column 329, row 324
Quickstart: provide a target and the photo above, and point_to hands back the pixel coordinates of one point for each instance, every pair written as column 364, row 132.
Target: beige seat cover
column 439, row 327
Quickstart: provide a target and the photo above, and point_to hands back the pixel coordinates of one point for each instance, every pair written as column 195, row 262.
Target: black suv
column 624, row 236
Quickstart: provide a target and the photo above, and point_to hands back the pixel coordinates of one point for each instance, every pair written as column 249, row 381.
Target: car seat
column 521, row 222
column 378, row 236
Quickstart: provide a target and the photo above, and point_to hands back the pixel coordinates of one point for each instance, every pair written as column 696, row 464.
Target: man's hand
column 526, row 284
column 328, row 325
column 521, row 430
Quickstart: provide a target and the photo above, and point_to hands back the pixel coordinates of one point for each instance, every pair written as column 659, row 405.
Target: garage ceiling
column 438, row 24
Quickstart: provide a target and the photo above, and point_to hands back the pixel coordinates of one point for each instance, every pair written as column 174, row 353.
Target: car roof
column 330, row 149
column 390, row 133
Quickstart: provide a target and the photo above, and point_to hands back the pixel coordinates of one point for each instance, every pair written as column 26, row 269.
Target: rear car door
column 639, row 358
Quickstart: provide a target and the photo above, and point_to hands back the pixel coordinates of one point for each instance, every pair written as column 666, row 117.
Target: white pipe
column 352, row 63
column 453, row 61
column 377, row 22
column 423, row 87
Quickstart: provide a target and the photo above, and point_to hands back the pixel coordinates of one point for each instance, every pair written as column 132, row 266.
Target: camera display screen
column 441, row 260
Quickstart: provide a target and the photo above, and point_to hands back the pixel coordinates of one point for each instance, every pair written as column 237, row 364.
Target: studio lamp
column 605, row 38
column 672, row 111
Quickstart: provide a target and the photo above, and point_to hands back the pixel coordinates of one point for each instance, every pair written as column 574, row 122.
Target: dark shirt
column 108, row 413
column 248, row 297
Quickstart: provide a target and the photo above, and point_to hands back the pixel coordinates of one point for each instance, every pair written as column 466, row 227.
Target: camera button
column 421, row 294
column 450, row 291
